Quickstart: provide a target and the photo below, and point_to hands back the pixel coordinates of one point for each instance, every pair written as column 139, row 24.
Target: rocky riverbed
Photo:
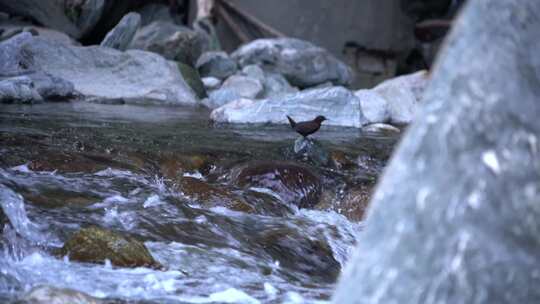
column 138, row 204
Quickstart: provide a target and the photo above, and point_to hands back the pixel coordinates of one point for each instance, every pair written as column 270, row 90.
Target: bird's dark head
column 320, row 118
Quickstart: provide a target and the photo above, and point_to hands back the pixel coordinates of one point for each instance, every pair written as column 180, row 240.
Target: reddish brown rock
column 293, row 183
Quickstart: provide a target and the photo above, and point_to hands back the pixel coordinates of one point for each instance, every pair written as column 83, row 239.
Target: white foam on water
column 13, row 206
column 195, row 174
column 152, row 201
column 233, row 295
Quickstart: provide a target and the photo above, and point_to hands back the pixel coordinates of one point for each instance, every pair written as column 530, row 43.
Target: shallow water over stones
column 197, row 195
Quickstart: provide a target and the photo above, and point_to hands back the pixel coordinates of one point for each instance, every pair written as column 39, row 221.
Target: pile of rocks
column 148, row 58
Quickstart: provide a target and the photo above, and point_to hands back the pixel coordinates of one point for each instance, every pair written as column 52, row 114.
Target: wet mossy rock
column 95, row 245
column 293, row 183
column 193, row 79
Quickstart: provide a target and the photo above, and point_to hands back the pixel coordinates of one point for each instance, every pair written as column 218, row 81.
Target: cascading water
column 209, row 253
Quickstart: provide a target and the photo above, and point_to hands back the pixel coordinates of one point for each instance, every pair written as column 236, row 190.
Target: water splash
column 13, row 207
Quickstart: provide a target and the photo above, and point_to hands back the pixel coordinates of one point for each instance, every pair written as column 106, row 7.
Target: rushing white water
column 197, row 273
column 276, row 253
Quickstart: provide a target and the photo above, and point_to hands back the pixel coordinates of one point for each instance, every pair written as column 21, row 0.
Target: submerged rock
column 337, row 104
column 311, row 150
column 339, row 160
column 403, row 95
column 455, row 217
column 53, row 295
column 216, row 64
column 121, row 35
column 172, row 41
column 355, row 203
column 294, row 251
column 294, row 184
column 95, row 245
column 135, row 76
column 212, row 196
column 301, row 62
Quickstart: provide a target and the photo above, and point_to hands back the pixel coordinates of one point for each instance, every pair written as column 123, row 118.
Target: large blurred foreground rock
column 133, row 76
column 339, row 105
column 95, row 245
column 456, row 216
column 302, row 63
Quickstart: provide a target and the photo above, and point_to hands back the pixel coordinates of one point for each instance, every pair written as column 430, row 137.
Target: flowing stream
column 68, row 166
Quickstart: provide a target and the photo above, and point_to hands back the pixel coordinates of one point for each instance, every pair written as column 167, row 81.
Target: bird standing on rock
column 306, row 128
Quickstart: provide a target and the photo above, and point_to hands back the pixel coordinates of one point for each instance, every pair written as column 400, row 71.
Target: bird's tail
column 291, row 121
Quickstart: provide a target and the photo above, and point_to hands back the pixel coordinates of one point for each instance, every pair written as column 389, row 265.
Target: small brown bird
column 306, row 128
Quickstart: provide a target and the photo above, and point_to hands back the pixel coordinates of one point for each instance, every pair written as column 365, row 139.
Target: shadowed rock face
column 455, row 218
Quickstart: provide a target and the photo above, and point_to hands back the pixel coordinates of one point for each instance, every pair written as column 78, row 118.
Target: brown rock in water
column 293, row 183
column 212, row 196
column 355, row 203
column 340, row 161
column 95, row 245
column 175, row 165
column 56, row 198
column 312, row 257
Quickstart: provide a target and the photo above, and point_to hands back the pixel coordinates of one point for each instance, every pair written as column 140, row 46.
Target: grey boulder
column 10, row 28
column 235, row 87
column 245, row 86
column 172, row 41
column 216, row 64
column 374, row 106
column 121, row 35
column 135, row 76
column 339, row 105
column 301, row 62
column 72, row 17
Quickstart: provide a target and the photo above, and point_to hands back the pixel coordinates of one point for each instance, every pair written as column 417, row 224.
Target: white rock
column 403, row 95
column 211, row 83
column 340, row 106
column 380, row 127
column 135, row 76
column 374, row 107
